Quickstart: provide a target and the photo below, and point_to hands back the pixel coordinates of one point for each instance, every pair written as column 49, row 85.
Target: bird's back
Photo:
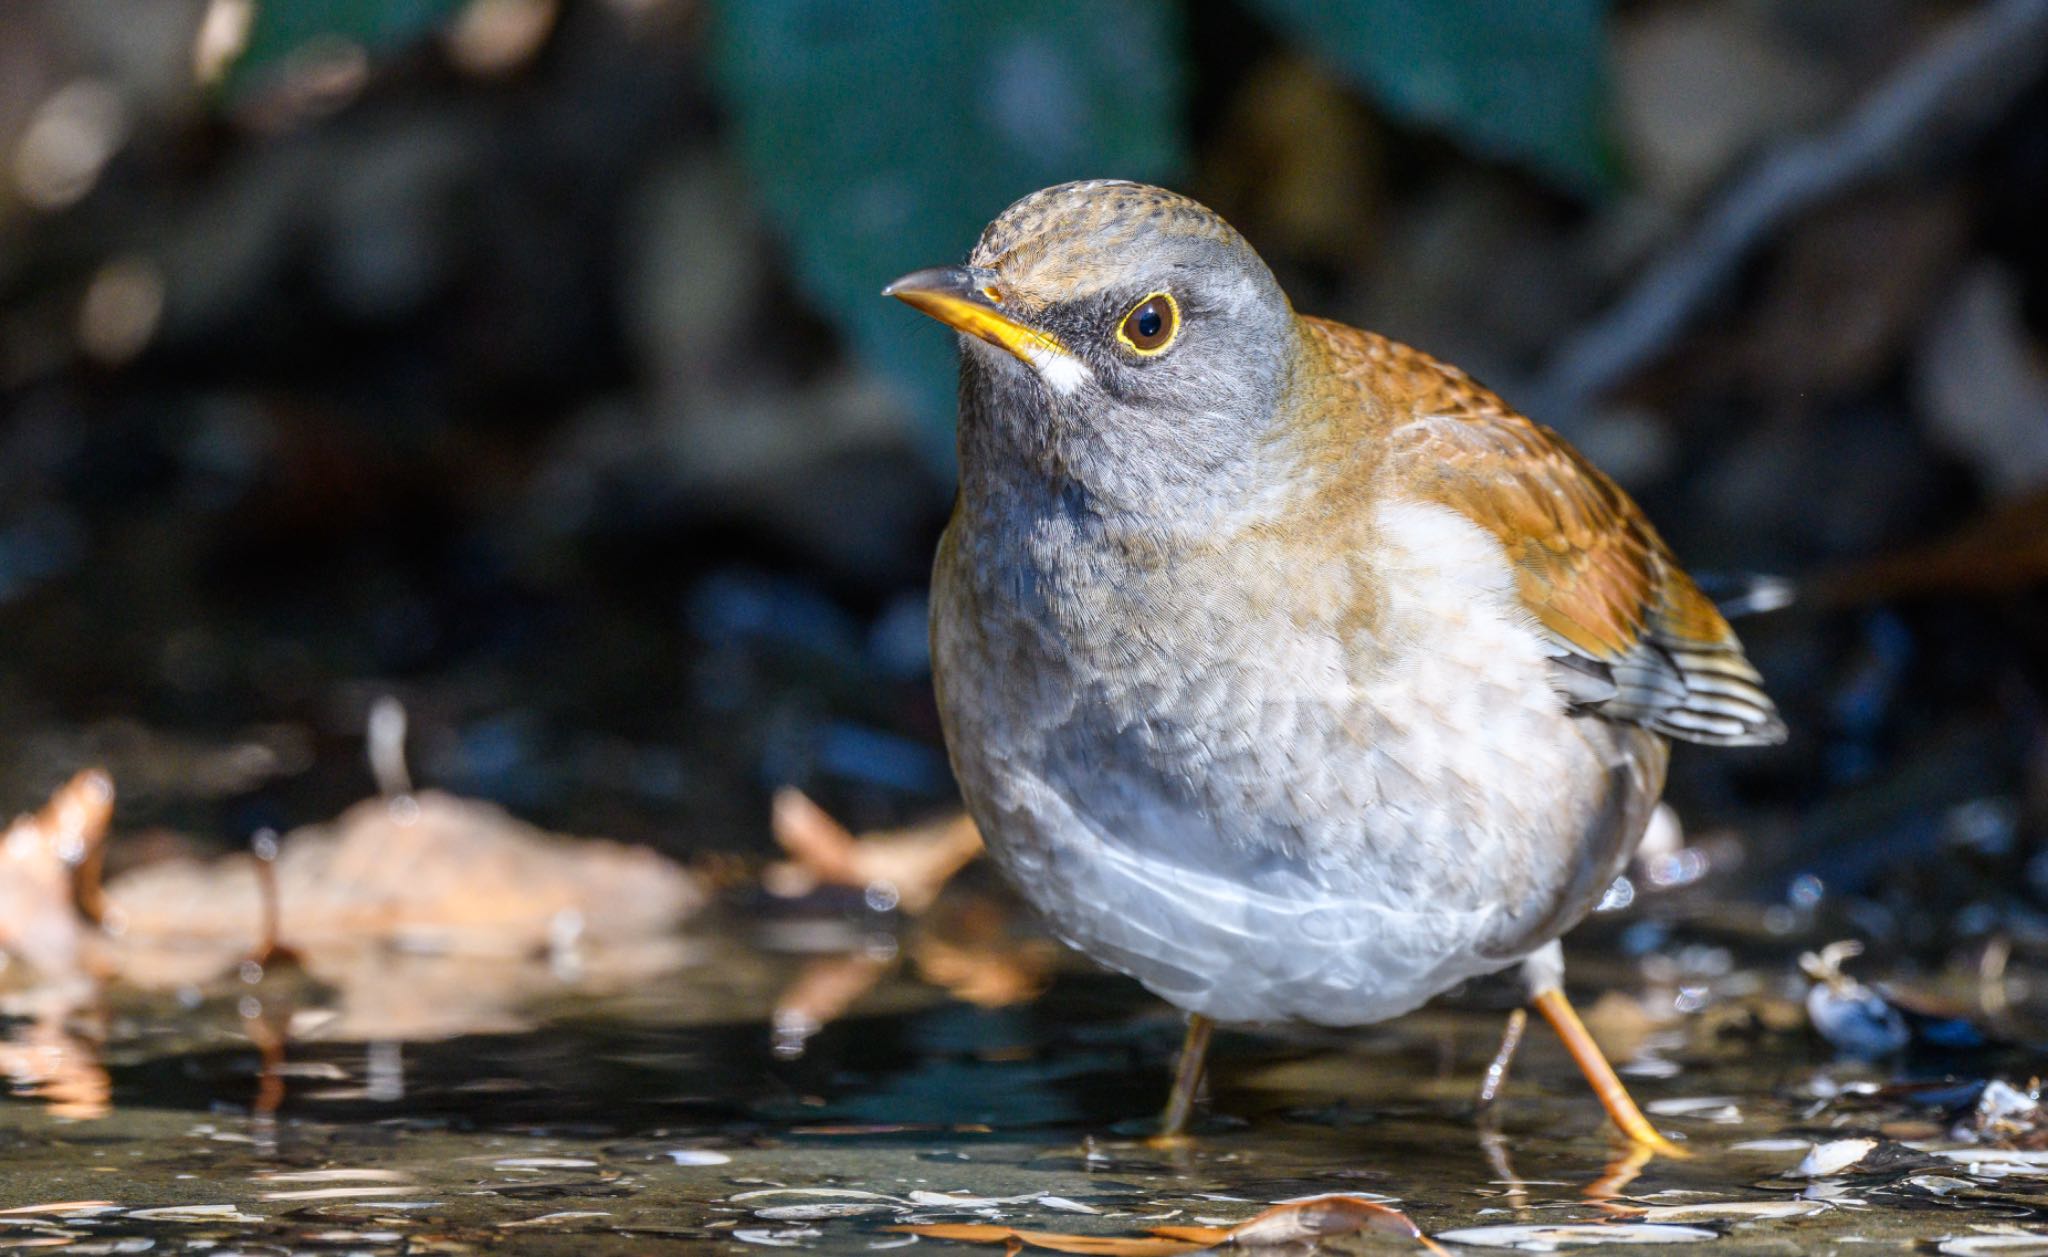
column 1635, row 639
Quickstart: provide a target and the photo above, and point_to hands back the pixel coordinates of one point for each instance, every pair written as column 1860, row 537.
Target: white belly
column 1258, row 820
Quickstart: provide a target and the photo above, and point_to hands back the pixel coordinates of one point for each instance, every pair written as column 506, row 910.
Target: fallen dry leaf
column 1300, row 1221
column 1057, row 1241
column 39, row 862
column 904, row 868
column 912, row 864
column 430, row 870
column 430, row 915
column 1294, row 1222
column 40, row 859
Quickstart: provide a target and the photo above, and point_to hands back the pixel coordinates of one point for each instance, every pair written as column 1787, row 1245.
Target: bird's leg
column 1614, row 1097
column 1544, row 973
column 1187, row 1080
column 1497, row 1071
column 1586, row 1054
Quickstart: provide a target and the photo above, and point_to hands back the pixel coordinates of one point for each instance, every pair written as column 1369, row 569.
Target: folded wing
column 1635, row 639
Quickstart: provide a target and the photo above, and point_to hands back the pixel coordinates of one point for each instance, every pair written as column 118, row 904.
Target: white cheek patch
column 1062, row 373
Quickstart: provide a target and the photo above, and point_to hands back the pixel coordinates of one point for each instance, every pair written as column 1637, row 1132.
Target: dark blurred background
column 523, row 359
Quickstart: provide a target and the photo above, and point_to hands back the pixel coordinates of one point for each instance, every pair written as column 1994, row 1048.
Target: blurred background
column 523, row 359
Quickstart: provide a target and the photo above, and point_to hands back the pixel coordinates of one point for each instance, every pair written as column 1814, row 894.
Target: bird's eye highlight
column 1151, row 325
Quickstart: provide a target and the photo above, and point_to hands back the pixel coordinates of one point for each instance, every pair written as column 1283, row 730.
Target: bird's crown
column 1060, row 241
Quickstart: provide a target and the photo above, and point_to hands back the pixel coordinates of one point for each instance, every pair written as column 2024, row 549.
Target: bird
column 1284, row 667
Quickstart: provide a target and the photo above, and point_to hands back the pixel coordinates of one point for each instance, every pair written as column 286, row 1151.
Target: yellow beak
column 958, row 298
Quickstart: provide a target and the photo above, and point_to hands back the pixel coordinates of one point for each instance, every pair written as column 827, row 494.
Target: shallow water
column 660, row 1114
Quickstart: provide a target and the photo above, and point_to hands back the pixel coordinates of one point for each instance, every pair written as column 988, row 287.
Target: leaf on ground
column 432, row 870
column 913, row 863
column 1303, row 1221
column 40, row 857
column 1056, row 1241
column 1295, row 1222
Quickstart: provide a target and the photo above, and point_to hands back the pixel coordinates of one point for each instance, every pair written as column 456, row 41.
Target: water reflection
column 611, row 1088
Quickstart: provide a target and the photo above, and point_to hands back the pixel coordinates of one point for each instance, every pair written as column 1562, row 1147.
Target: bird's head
column 1115, row 334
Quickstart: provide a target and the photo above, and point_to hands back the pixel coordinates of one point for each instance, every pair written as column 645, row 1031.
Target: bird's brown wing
column 1636, row 640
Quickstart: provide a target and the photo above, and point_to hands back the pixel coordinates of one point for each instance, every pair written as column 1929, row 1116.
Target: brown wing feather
column 1638, row 640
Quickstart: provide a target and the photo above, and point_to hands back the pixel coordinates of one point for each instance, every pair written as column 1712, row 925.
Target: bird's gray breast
column 1206, row 776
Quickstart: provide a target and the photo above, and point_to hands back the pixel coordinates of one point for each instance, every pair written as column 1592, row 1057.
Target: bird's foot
column 1606, row 1084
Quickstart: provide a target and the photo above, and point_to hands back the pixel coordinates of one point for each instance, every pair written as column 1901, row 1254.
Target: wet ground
column 497, row 390
column 662, row 1117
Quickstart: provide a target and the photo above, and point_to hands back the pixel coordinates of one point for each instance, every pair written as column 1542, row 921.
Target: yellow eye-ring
column 1151, row 325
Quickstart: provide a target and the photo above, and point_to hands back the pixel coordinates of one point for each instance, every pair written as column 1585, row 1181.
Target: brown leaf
column 1057, row 1241
column 1296, row 1222
column 968, row 1232
column 436, row 871
column 818, row 844
column 916, row 863
column 1107, row 1245
column 1303, row 1220
column 39, row 858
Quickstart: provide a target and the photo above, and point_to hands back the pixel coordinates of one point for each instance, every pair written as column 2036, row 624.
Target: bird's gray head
column 1117, row 338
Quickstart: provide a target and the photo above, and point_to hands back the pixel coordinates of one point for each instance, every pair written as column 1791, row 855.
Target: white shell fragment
column 840, row 1193
column 789, row 1238
column 335, row 1175
column 2002, row 1241
column 359, row 1192
column 1721, row 1109
column 1735, row 1210
column 1770, row 1145
column 1550, row 1239
column 1834, row 1157
column 1997, row 1162
column 826, row 1209
column 196, row 1213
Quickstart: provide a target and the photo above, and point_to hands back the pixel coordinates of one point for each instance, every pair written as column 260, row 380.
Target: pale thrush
column 1283, row 667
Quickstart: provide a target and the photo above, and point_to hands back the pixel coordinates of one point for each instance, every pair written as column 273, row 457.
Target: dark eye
column 1151, row 325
